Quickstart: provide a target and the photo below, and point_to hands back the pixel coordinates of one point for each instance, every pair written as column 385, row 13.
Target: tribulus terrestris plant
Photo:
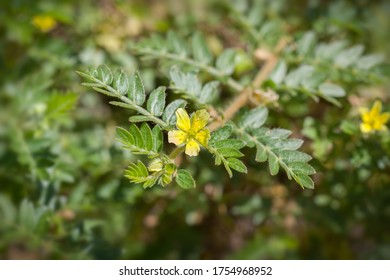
column 218, row 102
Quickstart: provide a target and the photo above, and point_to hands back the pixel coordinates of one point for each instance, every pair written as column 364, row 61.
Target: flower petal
column 383, row 118
column 203, row 137
column 177, row 137
column 376, row 109
column 365, row 128
column 379, row 127
column 192, row 148
column 183, row 120
column 199, row 120
column 364, row 114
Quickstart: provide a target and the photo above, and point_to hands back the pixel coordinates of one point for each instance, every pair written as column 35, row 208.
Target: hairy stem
column 113, row 92
column 176, row 152
column 233, row 84
column 231, row 110
column 242, row 99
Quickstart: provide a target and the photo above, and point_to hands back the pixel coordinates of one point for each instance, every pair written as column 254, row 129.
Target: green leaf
column 225, row 61
column 294, row 156
column 91, row 85
column 138, row 140
column 349, row 127
column 121, row 83
column 184, row 179
column 273, row 163
column 156, row 41
column 278, row 133
column 187, row 83
column 229, row 143
column 27, row 214
column 218, row 161
column 302, row 168
column 255, row 118
column 87, row 76
column 304, row 180
column 273, row 144
column 288, row 144
column 209, row 92
column 328, row 51
column 200, row 50
column 138, row 118
column 368, row 61
column 229, row 152
column 142, row 168
column 169, row 115
column 221, row 133
column 122, row 104
column 348, row 56
column 306, row 43
column 279, row 73
column 108, row 93
column 178, row 78
column 331, row 90
column 176, row 43
column 137, row 172
column 193, row 85
column 297, row 76
column 237, row 165
column 59, row 105
column 92, row 72
column 150, row 182
column 166, row 178
column 104, row 74
column 124, row 137
column 156, row 101
column 157, row 138
column 8, row 211
column 261, row 154
column 312, row 81
column 146, row 133
column 137, row 90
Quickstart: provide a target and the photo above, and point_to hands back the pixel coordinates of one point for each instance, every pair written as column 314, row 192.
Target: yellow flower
column 373, row 120
column 192, row 132
column 44, row 23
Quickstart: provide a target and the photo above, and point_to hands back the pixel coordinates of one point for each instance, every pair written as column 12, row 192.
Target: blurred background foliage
column 62, row 190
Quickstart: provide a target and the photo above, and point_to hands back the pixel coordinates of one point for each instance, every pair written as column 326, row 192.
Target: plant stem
column 244, row 92
column 176, row 152
column 233, row 84
column 242, row 99
column 144, row 112
column 232, row 109
column 139, row 109
column 269, row 64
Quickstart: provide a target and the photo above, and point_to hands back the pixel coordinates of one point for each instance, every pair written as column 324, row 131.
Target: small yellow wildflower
column 192, row 132
column 44, row 23
column 373, row 120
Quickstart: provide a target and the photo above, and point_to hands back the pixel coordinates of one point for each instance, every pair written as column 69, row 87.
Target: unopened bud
column 155, row 165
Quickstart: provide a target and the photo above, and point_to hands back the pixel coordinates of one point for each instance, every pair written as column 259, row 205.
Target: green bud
column 166, row 178
column 243, row 63
column 156, row 165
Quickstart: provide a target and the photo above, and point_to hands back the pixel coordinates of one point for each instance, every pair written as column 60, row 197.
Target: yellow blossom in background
column 192, row 132
column 44, row 23
column 373, row 120
column 112, row 42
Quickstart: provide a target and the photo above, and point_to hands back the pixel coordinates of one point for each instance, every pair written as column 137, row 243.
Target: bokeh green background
column 62, row 191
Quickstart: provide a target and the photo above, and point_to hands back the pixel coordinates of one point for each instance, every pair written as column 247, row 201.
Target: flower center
column 191, row 135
